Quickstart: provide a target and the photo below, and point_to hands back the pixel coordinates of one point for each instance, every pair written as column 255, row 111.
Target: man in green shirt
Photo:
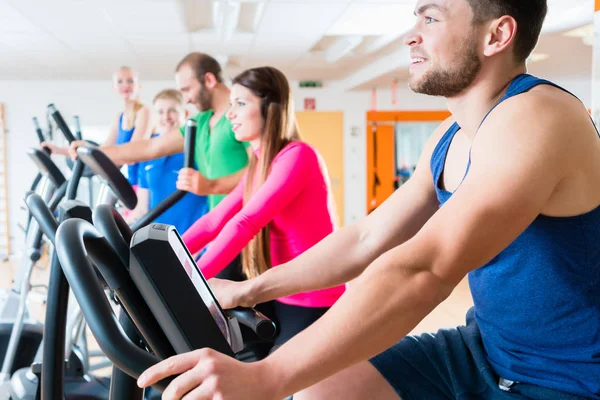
column 220, row 158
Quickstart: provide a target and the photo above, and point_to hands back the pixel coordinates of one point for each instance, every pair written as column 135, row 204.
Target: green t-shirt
column 217, row 153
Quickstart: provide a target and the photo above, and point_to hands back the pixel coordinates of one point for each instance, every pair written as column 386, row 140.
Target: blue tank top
column 124, row 136
column 159, row 176
column 537, row 303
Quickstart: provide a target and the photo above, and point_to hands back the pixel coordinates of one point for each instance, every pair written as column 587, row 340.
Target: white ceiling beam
column 397, row 60
column 341, row 48
column 380, row 43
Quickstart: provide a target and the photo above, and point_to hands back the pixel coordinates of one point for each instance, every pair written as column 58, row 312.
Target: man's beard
column 204, row 99
column 450, row 82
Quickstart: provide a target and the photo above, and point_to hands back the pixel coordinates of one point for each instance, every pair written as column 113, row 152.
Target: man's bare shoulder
column 546, row 105
column 545, row 114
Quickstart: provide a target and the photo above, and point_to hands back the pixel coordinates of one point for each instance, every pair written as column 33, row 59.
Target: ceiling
column 357, row 43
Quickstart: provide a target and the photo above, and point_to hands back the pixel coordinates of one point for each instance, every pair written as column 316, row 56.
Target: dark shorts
column 451, row 364
column 293, row 320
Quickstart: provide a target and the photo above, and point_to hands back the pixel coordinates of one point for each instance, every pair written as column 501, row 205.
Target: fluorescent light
column 585, row 33
column 226, row 15
column 258, row 14
column 341, row 48
column 217, row 14
column 386, row 19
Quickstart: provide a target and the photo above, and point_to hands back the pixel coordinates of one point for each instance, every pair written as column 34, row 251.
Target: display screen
column 187, row 262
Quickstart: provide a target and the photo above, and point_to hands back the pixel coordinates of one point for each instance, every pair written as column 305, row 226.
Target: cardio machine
column 182, row 308
column 22, row 344
column 20, row 335
column 160, row 288
column 52, row 367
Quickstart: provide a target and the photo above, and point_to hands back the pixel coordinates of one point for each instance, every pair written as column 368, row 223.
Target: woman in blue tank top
column 134, row 121
column 131, row 123
column 157, row 178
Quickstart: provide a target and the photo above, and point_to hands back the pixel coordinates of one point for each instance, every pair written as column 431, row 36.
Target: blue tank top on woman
column 124, row 136
column 538, row 302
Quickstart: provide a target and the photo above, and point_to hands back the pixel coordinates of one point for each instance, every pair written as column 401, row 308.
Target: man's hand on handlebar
column 73, row 148
column 208, row 374
column 194, row 182
column 231, row 294
column 54, row 149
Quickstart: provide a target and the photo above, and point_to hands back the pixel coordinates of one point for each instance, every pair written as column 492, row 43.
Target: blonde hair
column 281, row 128
column 169, row 94
column 129, row 115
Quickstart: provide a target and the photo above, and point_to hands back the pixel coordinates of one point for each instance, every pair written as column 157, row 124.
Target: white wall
column 97, row 105
column 355, row 106
column 581, row 88
column 94, row 102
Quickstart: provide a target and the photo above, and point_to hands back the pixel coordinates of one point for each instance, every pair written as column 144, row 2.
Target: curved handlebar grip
column 77, row 126
column 114, row 228
column 42, row 214
column 73, row 238
column 255, row 320
column 60, row 122
column 191, row 128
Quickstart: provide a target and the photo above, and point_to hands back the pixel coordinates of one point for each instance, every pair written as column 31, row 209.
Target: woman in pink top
column 282, row 206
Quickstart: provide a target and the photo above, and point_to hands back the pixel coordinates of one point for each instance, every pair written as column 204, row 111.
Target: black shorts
column 292, row 320
column 451, row 364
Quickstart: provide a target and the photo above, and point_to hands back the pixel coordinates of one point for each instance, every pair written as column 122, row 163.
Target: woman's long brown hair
column 281, row 128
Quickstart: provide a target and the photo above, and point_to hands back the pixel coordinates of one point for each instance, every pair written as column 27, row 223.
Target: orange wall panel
column 384, row 166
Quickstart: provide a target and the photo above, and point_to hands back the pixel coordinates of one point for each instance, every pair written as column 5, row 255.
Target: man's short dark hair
column 201, row 64
column 529, row 15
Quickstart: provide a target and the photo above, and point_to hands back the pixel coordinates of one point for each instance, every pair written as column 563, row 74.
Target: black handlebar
column 263, row 327
column 75, row 240
column 40, row 134
column 77, row 125
column 102, row 166
column 46, row 166
column 115, row 230
column 38, row 130
column 191, row 128
column 75, row 179
column 42, row 214
column 60, row 122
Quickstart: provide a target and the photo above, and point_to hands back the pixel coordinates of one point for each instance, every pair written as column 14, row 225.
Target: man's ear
column 500, row 36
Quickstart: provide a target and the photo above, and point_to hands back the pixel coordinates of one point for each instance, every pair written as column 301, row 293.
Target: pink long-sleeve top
column 295, row 198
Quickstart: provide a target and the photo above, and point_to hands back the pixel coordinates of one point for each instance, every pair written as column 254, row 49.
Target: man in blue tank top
column 506, row 192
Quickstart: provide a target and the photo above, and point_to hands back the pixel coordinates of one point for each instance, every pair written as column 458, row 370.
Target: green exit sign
column 310, row 84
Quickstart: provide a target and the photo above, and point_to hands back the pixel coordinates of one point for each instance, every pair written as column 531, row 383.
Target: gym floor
column 448, row 314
